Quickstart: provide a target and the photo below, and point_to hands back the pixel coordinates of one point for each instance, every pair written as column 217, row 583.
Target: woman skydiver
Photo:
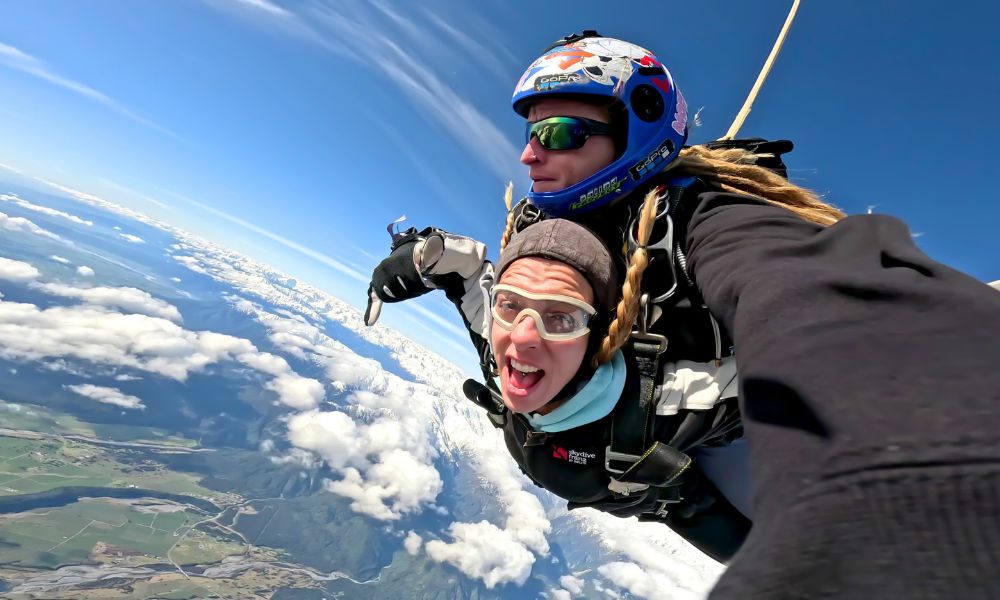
column 584, row 417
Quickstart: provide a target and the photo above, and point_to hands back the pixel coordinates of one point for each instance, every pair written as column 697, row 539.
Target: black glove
column 396, row 278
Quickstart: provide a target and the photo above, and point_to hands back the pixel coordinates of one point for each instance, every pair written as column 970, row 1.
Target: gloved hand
column 419, row 262
column 396, row 278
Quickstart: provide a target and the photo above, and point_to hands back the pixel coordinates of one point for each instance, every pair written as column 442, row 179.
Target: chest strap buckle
column 611, row 455
column 626, row 488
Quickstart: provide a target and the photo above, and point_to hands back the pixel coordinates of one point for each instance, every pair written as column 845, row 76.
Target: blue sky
column 294, row 131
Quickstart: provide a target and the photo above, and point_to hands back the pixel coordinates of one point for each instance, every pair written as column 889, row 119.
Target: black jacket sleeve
column 870, row 392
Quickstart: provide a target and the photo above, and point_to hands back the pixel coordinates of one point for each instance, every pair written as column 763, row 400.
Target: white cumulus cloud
column 573, row 585
column 59, row 259
column 484, row 551
column 298, row 392
column 107, row 395
column 385, row 465
column 191, row 263
column 15, row 270
column 132, row 239
column 412, row 543
column 265, row 362
column 126, row 298
column 21, row 224
column 653, row 585
column 526, row 521
column 85, row 271
column 13, row 198
column 654, row 562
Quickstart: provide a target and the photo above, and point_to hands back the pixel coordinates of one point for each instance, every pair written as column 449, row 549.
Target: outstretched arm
column 869, row 395
column 421, row 261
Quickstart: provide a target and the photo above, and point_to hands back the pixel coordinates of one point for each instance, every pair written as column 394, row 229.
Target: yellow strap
column 745, row 111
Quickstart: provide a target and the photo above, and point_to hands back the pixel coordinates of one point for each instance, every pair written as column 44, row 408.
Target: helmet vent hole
column 647, row 103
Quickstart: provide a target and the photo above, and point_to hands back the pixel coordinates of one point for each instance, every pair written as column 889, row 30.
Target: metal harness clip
column 610, row 455
column 625, row 488
column 643, row 335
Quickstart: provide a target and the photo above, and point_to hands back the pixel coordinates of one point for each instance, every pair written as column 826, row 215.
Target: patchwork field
column 125, row 533
column 30, row 464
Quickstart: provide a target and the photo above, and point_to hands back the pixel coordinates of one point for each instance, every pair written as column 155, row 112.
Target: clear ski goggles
column 564, row 133
column 557, row 317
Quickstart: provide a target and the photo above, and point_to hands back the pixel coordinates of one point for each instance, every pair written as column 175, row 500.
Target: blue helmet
column 630, row 78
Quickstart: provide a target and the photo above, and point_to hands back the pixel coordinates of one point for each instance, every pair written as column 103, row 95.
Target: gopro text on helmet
column 547, row 82
column 654, row 162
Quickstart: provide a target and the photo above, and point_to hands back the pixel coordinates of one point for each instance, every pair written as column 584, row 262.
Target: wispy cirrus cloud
column 266, row 6
column 131, row 192
column 406, row 60
column 495, row 58
column 18, row 60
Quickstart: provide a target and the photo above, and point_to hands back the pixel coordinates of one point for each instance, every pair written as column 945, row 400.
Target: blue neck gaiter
column 594, row 401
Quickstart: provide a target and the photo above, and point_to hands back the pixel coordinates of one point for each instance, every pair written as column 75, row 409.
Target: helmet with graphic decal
column 640, row 90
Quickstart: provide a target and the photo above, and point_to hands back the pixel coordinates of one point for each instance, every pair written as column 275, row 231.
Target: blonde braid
column 508, row 199
column 732, row 169
column 628, row 306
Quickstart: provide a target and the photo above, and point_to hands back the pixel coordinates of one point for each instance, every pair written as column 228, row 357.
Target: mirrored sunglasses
column 564, row 133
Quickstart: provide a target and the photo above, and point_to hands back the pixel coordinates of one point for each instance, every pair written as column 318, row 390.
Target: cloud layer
column 128, row 299
column 15, row 199
column 147, row 339
column 380, row 438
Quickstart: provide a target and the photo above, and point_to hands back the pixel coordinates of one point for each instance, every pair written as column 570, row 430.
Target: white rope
column 745, row 111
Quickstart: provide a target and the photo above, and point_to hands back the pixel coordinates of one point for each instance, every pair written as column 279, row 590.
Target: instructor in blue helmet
column 868, row 386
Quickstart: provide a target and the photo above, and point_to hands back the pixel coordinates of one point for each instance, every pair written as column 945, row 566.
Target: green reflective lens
column 565, row 133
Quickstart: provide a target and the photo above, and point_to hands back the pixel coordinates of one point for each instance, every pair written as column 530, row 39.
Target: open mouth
column 521, row 377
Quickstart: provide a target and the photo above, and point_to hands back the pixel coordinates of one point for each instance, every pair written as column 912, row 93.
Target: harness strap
column 631, row 423
column 633, row 459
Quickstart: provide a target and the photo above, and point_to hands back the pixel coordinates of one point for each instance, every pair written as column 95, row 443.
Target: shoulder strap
column 633, row 459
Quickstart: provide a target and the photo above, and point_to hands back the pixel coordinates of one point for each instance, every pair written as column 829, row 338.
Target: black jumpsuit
column 870, row 395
